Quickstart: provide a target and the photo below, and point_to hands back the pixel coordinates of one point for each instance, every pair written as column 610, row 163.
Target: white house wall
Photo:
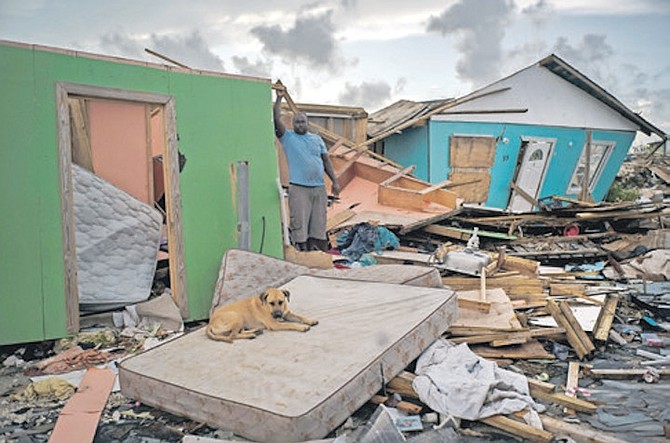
column 550, row 100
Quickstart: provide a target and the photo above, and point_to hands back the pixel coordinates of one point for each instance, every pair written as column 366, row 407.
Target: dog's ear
column 287, row 294
column 263, row 296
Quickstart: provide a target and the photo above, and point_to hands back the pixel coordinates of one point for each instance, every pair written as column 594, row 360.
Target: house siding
column 220, row 120
column 567, row 149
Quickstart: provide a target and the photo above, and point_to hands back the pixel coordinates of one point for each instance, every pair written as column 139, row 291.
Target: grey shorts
column 307, row 207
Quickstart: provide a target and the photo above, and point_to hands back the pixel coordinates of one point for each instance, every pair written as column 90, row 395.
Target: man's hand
column 335, row 189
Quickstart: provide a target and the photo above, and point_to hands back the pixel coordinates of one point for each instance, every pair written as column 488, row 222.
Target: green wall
column 220, row 121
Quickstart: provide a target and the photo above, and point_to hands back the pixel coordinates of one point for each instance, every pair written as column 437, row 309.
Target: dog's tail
column 219, row 337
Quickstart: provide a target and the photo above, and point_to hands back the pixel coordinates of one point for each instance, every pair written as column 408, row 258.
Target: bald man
column 307, row 159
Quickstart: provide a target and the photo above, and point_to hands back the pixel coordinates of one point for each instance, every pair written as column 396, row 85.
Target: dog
column 249, row 317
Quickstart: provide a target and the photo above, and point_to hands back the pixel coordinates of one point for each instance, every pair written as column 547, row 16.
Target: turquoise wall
column 410, row 148
column 428, row 148
column 220, row 121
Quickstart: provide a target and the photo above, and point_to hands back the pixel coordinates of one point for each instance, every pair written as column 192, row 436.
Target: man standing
column 307, row 159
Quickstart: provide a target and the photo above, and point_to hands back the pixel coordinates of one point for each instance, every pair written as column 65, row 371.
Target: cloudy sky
column 371, row 53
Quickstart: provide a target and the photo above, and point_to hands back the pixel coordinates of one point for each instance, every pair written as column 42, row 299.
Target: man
column 307, row 159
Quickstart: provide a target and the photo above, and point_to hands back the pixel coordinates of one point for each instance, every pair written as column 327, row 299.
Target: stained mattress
column 117, row 240
column 292, row 386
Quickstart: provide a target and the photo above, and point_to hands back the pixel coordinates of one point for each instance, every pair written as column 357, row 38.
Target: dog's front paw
column 304, row 328
column 312, row 322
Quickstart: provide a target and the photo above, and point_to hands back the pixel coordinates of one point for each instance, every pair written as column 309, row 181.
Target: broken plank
column 517, row 428
column 464, row 234
column 402, row 384
column 572, row 336
column 477, row 305
column 404, row 406
column 570, row 316
column 571, row 383
column 79, row 418
column 605, row 318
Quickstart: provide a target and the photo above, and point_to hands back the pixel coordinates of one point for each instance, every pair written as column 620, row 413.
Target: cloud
column 310, row 40
column 539, row 12
column 369, row 95
column 479, row 26
column 191, row 50
column 115, row 43
column 259, row 68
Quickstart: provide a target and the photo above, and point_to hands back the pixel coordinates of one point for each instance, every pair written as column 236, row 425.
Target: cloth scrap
column 50, row 388
column 453, row 380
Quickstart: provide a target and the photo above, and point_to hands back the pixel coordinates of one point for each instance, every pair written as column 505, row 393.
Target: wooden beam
column 542, row 393
column 572, row 383
column 405, row 406
column 578, row 433
column 397, row 175
column 519, row 429
column 572, row 336
column 605, row 318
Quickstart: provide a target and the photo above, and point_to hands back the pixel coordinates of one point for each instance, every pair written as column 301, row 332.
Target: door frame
column 172, row 190
column 521, row 160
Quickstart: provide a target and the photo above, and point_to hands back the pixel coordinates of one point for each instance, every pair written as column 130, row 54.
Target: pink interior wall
column 120, row 147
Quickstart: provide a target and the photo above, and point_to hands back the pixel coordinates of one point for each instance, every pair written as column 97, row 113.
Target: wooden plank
column 579, row 433
column 605, row 318
column 477, row 305
column 559, row 398
column 571, row 383
column 622, row 373
column 519, row 429
column 570, row 316
column 532, row 349
column 404, row 406
column 572, row 336
column 435, row 187
column 397, row 175
column 79, row 418
column 402, row 384
column 81, row 144
column 335, row 219
column 473, row 186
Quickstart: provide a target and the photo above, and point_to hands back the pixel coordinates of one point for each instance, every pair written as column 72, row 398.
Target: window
column 600, row 152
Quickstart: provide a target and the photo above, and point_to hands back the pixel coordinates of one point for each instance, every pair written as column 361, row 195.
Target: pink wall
column 120, row 146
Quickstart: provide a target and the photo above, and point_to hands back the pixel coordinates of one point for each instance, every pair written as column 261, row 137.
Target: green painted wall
column 220, row 121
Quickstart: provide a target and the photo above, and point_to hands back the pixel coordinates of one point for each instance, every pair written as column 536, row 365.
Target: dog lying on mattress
column 249, row 317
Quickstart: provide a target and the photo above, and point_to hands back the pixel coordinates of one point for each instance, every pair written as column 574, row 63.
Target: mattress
column 293, row 386
column 117, row 241
column 243, row 273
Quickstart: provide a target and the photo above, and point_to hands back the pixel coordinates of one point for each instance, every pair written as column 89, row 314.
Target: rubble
column 571, row 304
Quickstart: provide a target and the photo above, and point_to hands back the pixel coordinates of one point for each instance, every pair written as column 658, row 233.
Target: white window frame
column 575, row 185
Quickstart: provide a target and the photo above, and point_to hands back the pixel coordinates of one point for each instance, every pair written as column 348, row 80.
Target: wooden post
column 482, row 285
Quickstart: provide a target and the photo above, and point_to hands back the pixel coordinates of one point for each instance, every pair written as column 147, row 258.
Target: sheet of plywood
column 290, row 386
column 500, row 316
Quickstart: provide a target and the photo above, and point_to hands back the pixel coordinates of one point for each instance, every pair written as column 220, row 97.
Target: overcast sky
column 371, row 53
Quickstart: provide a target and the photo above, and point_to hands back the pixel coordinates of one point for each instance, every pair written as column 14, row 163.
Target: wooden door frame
column 172, row 190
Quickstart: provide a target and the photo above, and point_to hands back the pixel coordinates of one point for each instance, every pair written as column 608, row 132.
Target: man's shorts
column 307, row 208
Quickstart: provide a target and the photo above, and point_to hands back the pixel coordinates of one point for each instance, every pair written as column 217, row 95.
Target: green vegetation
column 618, row 193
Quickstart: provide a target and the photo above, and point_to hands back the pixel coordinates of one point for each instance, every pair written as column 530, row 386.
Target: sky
column 371, row 53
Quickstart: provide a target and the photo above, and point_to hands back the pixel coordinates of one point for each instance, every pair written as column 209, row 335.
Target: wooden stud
column 605, row 318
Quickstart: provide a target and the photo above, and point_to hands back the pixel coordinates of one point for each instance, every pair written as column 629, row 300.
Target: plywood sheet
column 291, row 386
column 500, row 316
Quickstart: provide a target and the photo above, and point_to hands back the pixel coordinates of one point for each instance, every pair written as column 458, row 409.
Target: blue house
column 544, row 131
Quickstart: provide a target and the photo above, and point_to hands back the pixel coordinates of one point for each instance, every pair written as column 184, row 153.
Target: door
column 113, row 135
column 529, row 174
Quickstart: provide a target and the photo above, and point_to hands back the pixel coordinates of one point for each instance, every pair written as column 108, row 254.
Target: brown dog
column 248, row 318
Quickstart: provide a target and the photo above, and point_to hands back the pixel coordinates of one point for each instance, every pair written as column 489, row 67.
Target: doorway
column 529, row 174
column 127, row 139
